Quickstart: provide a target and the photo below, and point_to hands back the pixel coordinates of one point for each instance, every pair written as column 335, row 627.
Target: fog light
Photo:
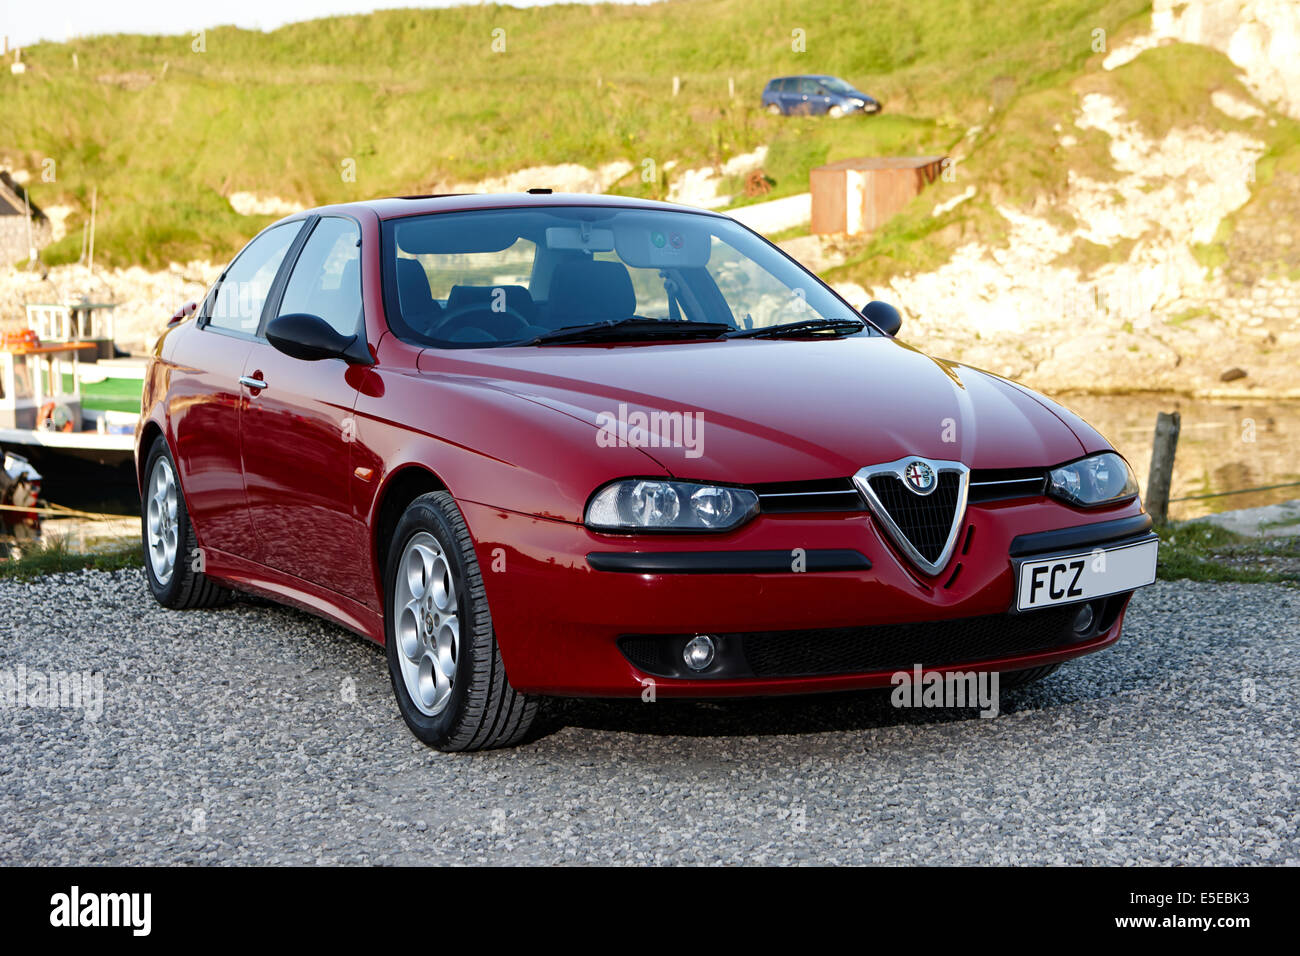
column 698, row 653
column 1083, row 620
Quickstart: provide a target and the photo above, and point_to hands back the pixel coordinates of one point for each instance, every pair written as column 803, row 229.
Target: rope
column 62, row 512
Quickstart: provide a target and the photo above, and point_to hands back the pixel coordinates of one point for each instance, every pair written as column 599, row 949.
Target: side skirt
column 245, row 575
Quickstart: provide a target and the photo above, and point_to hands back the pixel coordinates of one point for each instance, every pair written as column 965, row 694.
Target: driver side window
column 326, row 280
column 237, row 306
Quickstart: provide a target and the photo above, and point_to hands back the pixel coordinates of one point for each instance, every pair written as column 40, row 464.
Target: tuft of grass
column 1191, row 315
column 54, row 557
column 1089, row 256
column 1200, row 551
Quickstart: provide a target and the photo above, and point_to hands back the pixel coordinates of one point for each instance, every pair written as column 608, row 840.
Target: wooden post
column 31, row 242
column 1162, row 465
column 677, row 85
column 94, row 199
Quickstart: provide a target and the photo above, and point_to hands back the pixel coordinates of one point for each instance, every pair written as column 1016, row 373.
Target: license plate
column 1067, row 578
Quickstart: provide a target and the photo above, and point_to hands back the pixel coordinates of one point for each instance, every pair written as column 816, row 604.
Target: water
column 1223, row 446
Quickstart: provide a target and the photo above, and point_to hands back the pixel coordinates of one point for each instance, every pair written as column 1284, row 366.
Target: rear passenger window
column 242, row 293
column 326, row 280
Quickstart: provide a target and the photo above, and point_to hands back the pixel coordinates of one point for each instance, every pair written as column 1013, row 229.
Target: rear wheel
column 172, row 560
column 443, row 659
column 773, row 109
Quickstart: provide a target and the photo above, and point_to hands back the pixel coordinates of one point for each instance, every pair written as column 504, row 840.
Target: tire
column 835, row 112
column 1010, row 680
column 168, row 539
column 443, row 658
column 773, row 109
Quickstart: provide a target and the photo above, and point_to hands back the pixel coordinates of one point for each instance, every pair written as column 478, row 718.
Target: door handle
column 255, row 384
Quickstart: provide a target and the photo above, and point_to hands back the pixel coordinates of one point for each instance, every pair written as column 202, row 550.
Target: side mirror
column 883, row 316
column 183, row 313
column 311, row 338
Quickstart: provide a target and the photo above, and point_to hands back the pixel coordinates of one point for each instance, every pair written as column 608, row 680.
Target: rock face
column 146, row 299
column 1260, row 36
column 1157, row 317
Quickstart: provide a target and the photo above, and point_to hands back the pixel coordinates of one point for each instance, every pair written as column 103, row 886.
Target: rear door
column 819, row 100
column 807, row 97
column 297, row 432
column 789, row 95
column 206, row 397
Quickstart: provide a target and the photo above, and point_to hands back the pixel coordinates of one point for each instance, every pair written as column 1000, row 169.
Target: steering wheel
column 477, row 316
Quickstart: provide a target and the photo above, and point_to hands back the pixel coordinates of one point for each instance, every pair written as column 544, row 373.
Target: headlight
column 649, row 504
column 1099, row 480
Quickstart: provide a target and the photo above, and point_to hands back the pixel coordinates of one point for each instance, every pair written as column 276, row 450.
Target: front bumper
column 564, row 626
column 868, row 108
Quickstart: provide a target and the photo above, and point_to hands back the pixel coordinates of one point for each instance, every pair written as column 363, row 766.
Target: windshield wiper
column 831, row 327
column 632, row 329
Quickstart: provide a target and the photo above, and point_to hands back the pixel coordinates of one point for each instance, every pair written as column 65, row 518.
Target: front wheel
column 443, row 658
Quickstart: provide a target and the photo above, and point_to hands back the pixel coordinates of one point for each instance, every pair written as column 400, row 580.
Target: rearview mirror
column 883, row 316
column 311, row 338
column 183, row 313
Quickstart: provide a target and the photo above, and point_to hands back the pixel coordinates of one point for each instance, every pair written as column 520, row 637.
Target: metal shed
column 857, row 195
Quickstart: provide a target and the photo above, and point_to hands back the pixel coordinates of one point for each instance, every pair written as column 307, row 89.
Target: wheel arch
column 401, row 487
column 149, row 433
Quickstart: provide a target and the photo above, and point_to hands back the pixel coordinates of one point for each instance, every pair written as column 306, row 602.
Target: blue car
column 815, row 95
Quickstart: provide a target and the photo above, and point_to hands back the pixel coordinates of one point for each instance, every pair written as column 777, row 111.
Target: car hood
column 756, row 411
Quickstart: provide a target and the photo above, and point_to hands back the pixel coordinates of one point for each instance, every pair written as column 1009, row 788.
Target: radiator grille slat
column 925, row 520
column 852, row 650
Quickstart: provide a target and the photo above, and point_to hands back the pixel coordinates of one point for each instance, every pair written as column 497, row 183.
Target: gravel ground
column 257, row 734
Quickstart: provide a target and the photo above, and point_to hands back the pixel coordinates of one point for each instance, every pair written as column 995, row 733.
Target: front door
column 297, row 432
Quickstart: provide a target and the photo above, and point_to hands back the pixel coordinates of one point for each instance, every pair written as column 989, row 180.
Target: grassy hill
column 415, row 98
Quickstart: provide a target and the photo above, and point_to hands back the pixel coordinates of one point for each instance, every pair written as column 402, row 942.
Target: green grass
column 415, row 98
column 54, row 557
column 1198, row 551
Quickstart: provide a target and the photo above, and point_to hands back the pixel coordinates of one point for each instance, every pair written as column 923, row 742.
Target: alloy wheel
column 162, row 523
column 427, row 623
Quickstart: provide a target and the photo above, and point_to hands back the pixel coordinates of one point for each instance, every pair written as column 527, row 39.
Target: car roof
column 396, row 207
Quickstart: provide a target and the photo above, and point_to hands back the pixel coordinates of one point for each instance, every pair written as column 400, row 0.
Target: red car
column 590, row 446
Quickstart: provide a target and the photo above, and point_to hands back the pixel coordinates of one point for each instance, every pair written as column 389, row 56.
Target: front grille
column 925, row 520
column 839, row 494
column 650, row 654
column 1003, row 483
column 875, row 648
column 790, row 497
column 851, row 650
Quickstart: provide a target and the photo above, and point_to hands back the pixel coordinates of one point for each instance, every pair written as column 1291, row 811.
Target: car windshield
column 510, row 276
column 836, row 85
